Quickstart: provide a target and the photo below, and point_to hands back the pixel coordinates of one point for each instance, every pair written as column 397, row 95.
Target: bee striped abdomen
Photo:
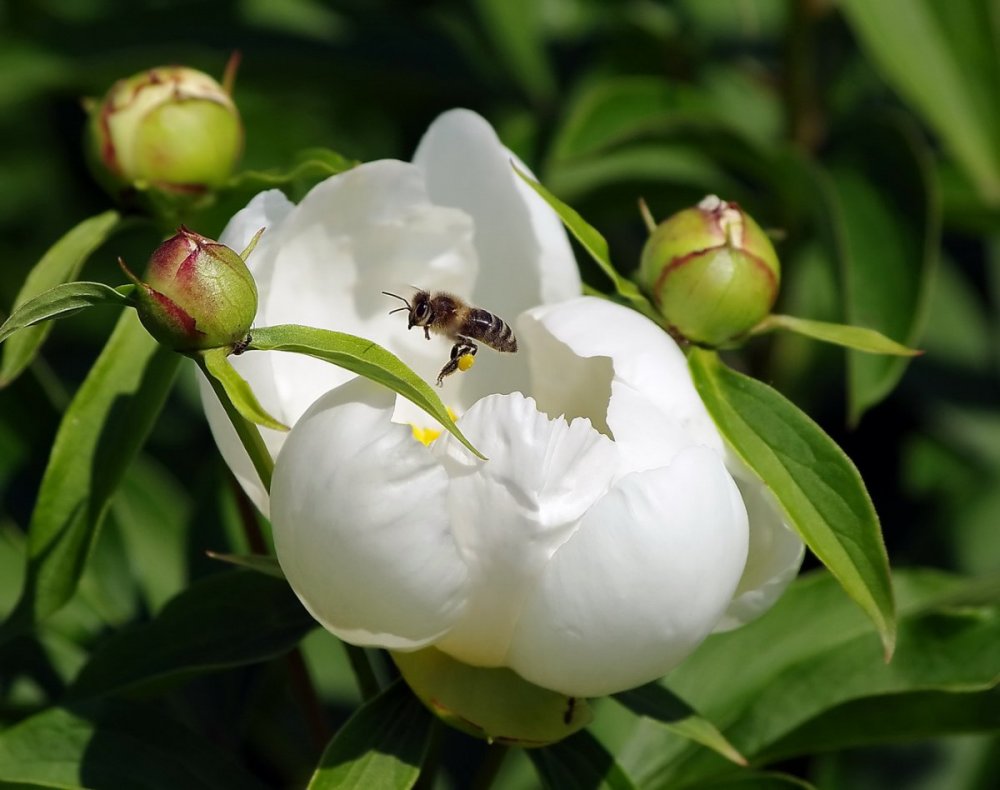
column 490, row 329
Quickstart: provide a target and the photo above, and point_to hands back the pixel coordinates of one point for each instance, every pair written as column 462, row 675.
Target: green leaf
column 61, row 263
column 262, row 563
column 884, row 220
column 384, row 744
column 517, row 30
column 622, row 109
column 812, row 655
column 943, row 58
column 59, row 302
column 217, row 365
column 762, row 780
column 815, row 483
column 100, row 433
column 363, row 357
column 856, row 337
column 656, row 702
column 114, row 744
column 579, row 763
column 225, row 620
column 594, row 243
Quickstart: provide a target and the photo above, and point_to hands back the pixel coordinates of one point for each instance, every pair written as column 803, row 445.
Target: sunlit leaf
column 60, row 302
column 657, row 702
column 816, row 484
column 114, row 744
column 228, row 619
column 384, row 744
column 363, row 357
column 812, row 656
column 101, row 431
column 856, row 337
column 61, row 263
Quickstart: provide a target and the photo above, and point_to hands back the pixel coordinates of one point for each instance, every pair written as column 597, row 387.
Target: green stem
column 252, row 441
column 364, row 673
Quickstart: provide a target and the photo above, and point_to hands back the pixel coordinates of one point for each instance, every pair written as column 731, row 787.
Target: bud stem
column 248, row 433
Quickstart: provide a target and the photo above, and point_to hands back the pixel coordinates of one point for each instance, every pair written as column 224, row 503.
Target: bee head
column 420, row 310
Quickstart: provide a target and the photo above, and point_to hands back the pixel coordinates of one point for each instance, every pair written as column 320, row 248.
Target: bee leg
column 463, row 348
column 427, row 333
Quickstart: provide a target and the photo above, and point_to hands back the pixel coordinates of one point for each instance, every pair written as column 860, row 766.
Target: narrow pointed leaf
column 101, row 431
column 384, row 744
column 115, row 744
column 816, row 484
column 579, row 763
column 856, row 337
column 60, row 302
column 236, row 387
column 595, row 244
column 262, row 563
column 363, row 357
column 660, row 704
column 61, row 263
column 229, row 619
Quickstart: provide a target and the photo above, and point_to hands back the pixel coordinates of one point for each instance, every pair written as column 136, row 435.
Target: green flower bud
column 712, row 272
column 198, row 293
column 172, row 130
column 497, row 705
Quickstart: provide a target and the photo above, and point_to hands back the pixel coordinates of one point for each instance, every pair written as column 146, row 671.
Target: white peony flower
column 608, row 533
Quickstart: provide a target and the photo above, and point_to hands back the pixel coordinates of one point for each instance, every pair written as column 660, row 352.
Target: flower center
column 426, row 435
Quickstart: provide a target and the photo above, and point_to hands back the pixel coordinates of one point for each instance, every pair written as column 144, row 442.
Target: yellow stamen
column 428, row 435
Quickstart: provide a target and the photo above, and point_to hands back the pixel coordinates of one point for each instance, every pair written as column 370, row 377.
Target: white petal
column 640, row 584
column 525, row 258
column 775, row 552
column 620, row 370
column 267, row 210
column 361, row 524
column 364, row 231
column 511, row 513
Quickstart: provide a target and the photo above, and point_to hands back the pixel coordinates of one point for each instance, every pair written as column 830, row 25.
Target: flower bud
column 712, row 272
column 495, row 704
column 198, row 293
column 171, row 129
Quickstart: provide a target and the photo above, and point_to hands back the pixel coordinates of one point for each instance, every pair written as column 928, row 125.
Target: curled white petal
column 774, row 557
column 361, row 523
column 620, row 370
column 511, row 513
column 640, row 584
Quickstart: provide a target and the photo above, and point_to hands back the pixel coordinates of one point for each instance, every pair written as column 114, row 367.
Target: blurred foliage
column 865, row 135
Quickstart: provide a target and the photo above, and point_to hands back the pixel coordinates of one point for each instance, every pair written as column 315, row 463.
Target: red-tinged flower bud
column 711, row 271
column 198, row 294
column 170, row 130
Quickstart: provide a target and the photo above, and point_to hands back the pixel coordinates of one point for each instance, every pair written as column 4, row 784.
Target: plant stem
column 364, row 673
column 247, row 432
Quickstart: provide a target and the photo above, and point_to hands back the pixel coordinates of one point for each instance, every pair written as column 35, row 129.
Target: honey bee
column 445, row 314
